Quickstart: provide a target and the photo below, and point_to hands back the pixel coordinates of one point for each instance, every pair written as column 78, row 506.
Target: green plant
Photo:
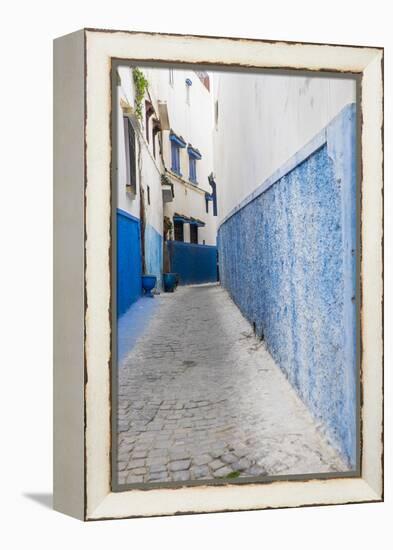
column 141, row 85
column 233, row 475
column 165, row 180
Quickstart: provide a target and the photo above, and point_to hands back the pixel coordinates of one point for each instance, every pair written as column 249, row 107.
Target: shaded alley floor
column 199, row 397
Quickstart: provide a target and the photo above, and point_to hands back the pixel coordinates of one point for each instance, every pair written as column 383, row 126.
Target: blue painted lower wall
column 129, row 261
column 194, row 263
column 153, row 253
column 288, row 259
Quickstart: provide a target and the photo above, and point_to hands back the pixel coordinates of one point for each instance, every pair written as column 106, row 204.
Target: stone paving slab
column 199, row 397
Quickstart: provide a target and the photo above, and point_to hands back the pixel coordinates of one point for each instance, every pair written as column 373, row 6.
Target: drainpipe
column 212, row 184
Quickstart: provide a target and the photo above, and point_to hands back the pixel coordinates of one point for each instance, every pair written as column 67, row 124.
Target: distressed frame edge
column 376, row 487
column 69, row 489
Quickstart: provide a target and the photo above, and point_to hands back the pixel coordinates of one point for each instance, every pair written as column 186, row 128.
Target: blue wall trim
column 153, row 253
column 288, row 259
column 127, row 215
column 194, row 263
column 178, row 140
column 300, row 156
column 194, row 153
column 129, row 261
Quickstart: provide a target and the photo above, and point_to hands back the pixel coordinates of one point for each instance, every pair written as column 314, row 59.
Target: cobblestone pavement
column 199, row 397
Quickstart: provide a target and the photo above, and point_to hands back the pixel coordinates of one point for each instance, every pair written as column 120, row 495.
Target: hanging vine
column 141, row 85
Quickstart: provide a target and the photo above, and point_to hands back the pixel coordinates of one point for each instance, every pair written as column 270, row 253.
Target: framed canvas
column 218, row 272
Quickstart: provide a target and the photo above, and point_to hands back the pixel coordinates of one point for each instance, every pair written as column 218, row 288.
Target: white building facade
column 187, row 149
column 163, row 134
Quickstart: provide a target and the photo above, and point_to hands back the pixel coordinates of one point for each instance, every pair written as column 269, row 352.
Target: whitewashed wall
column 126, row 201
column 150, row 167
column 192, row 120
column 263, row 119
column 191, row 202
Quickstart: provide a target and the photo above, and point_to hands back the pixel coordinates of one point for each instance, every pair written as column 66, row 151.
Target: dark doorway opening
column 194, row 233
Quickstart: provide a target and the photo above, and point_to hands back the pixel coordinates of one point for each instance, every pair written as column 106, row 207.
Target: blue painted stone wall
column 195, row 263
column 288, row 259
column 129, row 261
column 153, row 253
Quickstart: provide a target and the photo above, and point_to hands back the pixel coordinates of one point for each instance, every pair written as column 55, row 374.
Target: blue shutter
column 175, row 158
column 178, row 160
column 192, row 164
column 173, row 151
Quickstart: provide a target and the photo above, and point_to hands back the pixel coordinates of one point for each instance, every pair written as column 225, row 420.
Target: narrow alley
column 199, row 397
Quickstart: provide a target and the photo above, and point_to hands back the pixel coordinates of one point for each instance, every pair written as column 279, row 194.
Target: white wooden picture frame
column 82, row 258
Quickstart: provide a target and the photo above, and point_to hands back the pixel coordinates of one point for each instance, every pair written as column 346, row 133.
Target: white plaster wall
column 191, row 201
column 150, row 168
column 125, row 200
column 263, row 119
column 151, row 176
column 193, row 121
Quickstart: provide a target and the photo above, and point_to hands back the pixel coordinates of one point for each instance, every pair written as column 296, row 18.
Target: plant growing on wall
column 141, row 85
column 165, row 180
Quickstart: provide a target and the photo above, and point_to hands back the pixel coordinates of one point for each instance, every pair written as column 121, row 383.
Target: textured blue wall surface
column 153, row 253
column 129, row 262
column 195, row 263
column 288, row 259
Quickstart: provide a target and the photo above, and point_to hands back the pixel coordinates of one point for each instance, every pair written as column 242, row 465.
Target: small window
column 129, row 138
column 175, row 158
column 177, row 143
column 188, row 90
column 156, row 130
column 193, row 156
column 171, row 77
column 192, row 165
column 148, row 113
column 194, row 233
column 148, row 195
column 216, row 114
column 179, row 230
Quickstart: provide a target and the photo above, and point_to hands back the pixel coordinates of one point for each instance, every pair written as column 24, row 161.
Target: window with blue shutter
column 177, row 143
column 129, row 135
column 175, row 158
column 192, row 176
column 193, row 156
